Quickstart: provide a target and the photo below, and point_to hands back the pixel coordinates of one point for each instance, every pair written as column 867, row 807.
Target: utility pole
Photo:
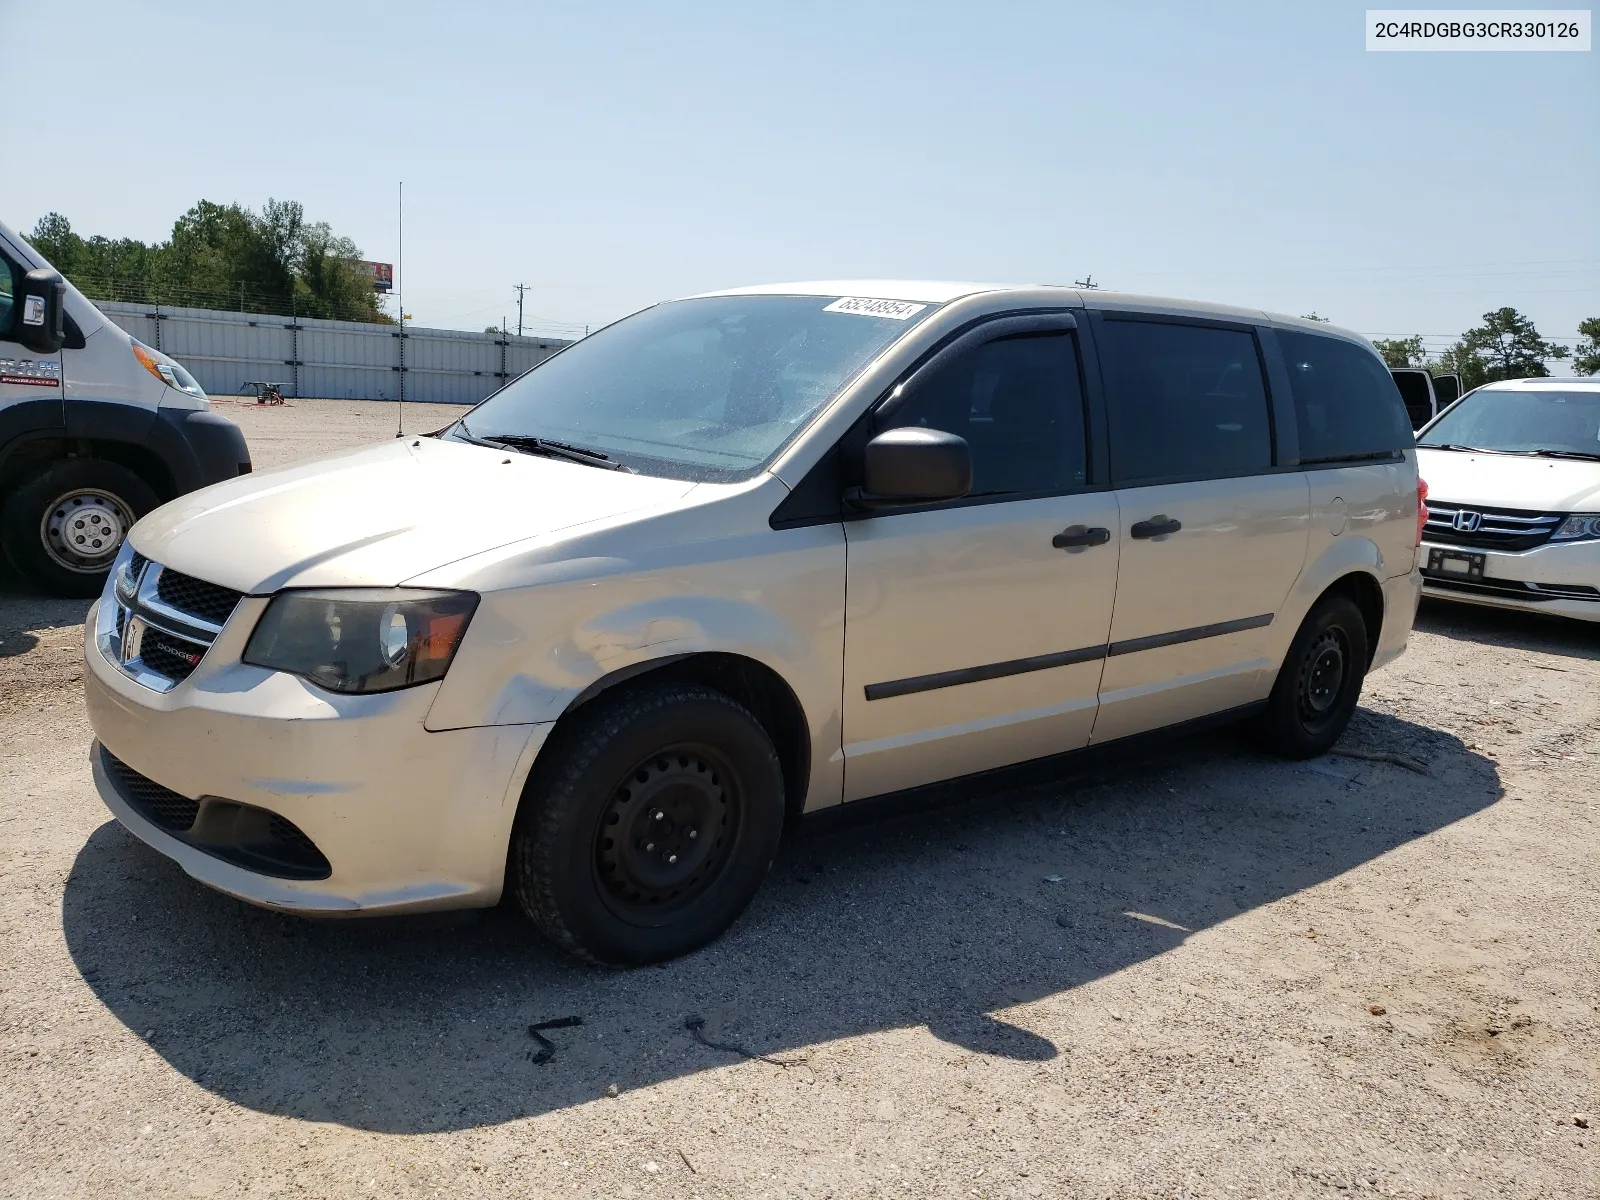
column 400, row 297
column 521, row 288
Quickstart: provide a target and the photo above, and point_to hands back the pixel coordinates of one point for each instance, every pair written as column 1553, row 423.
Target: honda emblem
column 1468, row 522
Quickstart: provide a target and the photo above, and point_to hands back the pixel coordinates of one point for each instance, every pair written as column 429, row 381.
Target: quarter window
column 1019, row 404
column 1346, row 403
column 1185, row 401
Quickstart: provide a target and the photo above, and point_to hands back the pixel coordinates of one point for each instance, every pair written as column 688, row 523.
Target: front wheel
column 1319, row 683
column 62, row 529
column 648, row 824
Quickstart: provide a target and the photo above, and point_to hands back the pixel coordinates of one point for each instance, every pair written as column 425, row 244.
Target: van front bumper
column 407, row 819
column 1560, row 578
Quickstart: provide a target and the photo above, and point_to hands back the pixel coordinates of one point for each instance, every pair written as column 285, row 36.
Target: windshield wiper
column 1582, row 455
column 528, row 444
column 1458, row 446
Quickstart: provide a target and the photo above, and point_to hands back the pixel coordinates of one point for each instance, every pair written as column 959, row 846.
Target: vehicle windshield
column 703, row 389
column 1512, row 421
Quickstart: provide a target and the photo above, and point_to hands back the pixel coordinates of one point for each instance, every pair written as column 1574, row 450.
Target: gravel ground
column 1201, row 973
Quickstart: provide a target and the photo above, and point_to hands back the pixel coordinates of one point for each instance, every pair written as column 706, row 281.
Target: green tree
column 1586, row 358
column 1312, row 316
column 222, row 256
column 1510, row 346
column 1402, row 352
column 1461, row 359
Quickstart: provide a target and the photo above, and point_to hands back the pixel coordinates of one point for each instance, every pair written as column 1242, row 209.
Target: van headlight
column 361, row 640
column 169, row 371
column 1578, row 525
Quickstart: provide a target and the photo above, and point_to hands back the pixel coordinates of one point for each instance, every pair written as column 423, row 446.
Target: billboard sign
column 382, row 275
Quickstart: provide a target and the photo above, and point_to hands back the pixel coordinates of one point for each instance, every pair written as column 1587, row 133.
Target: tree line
column 1505, row 346
column 222, row 256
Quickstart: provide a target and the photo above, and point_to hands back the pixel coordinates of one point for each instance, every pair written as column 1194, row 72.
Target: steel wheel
column 83, row 529
column 666, row 833
column 1322, row 675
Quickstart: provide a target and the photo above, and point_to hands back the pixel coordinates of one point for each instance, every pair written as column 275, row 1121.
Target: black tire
column 63, row 527
column 690, row 779
column 1319, row 683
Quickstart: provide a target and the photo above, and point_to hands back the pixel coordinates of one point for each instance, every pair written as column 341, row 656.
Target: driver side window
column 1018, row 403
column 8, row 294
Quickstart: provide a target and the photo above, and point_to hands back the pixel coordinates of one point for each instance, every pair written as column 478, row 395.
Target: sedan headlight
column 1578, row 525
column 362, row 639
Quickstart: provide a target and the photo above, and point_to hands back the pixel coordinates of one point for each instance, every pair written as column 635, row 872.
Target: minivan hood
column 380, row 515
column 1510, row 481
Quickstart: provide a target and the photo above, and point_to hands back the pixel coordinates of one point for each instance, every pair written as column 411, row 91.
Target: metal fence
column 348, row 360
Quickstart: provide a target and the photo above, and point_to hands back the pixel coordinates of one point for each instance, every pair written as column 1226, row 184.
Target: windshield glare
column 704, row 389
column 1522, row 422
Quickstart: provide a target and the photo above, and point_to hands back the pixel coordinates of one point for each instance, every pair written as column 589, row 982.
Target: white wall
column 337, row 359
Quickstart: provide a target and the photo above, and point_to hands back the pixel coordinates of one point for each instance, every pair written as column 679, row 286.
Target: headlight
column 362, row 639
column 168, row 370
column 1578, row 525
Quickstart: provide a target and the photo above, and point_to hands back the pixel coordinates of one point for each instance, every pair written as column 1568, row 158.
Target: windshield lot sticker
column 895, row 310
column 45, row 372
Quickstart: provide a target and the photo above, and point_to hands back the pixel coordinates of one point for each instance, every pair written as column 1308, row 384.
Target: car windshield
column 705, row 389
column 1514, row 421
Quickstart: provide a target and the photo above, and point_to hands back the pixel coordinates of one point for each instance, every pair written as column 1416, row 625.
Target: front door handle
column 1155, row 527
column 1079, row 535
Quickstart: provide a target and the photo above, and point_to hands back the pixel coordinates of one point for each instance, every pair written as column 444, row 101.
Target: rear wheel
column 649, row 824
column 63, row 528
column 1320, row 681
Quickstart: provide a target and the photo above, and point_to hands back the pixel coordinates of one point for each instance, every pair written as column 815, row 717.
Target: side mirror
column 913, row 466
column 39, row 315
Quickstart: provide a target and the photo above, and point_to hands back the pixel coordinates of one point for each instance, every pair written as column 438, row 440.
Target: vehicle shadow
column 938, row 917
column 1511, row 628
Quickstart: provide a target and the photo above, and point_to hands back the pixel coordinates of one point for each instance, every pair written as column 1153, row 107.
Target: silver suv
column 740, row 557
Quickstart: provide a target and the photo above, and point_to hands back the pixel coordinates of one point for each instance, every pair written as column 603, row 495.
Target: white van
column 741, row 557
column 96, row 429
column 1514, row 513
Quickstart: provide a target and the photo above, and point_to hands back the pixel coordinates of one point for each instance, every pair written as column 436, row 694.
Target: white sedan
column 1513, row 473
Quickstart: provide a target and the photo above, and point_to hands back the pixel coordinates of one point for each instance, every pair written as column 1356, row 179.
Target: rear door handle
column 1155, row 527
column 1079, row 535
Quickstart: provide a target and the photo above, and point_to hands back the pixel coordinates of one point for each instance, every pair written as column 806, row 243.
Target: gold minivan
column 740, row 557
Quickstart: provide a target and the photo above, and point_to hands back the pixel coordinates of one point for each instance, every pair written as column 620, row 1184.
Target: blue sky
column 610, row 155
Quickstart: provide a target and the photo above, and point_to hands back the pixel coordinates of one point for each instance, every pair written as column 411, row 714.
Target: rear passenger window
column 1018, row 403
column 1346, row 402
column 1185, row 401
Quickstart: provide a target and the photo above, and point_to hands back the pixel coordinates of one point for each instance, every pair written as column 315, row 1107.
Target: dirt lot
column 1201, row 973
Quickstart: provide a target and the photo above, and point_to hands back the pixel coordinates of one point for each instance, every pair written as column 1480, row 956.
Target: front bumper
column 1507, row 576
column 202, row 447
column 408, row 819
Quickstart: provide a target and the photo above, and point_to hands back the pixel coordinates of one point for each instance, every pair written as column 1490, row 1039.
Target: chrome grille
column 1494, row 529
column 157, row 624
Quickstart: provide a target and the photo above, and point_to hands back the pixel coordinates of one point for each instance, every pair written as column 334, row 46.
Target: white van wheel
column 62, row 529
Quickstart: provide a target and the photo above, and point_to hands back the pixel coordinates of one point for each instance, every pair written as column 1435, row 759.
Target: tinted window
column 1018, row 403
column 1413, row 386
column 7, row 294
column 1184, row 400
column 1345, row 400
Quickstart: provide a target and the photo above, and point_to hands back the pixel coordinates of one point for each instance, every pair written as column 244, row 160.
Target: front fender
column 773, row 596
